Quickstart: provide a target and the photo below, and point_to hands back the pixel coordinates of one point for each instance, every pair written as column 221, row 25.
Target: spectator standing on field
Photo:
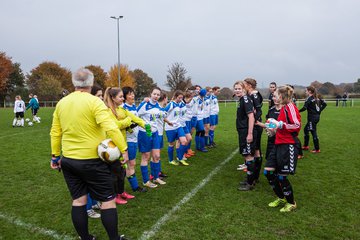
column 338, row 98
column 80, row 122
column 34, row 105
column 344, row 97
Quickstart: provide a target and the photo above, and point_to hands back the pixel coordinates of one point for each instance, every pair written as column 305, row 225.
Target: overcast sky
column 218, row 42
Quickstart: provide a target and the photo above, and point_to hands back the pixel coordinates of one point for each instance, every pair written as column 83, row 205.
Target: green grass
column 326, row 189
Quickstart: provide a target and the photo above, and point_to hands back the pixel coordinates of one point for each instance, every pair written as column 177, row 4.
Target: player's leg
column 257, row 157
column 306, row 136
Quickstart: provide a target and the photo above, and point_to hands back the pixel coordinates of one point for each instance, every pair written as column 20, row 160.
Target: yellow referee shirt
column 80, row 122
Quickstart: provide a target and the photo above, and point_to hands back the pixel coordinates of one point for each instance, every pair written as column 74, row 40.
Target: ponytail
column 110, row 93
column 286, row 93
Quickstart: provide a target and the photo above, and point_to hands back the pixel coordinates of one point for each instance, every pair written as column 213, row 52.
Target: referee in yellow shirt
column 80, row 122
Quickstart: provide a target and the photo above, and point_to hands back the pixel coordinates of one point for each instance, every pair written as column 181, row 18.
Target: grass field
column 35, row 203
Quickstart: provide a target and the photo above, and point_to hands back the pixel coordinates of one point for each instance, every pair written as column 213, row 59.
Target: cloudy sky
column 218, row 41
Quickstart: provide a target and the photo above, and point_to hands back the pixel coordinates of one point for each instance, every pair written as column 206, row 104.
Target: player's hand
column 125, row 158
column 55, row 163
column 146, row 99
column 249, row 138
column 270, row 132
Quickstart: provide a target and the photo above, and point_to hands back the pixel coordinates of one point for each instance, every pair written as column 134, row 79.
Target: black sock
column 109, row 219
column 258, row 163
column 274, row 183
column 250, row 171
column 80, row 221
column 287, row 189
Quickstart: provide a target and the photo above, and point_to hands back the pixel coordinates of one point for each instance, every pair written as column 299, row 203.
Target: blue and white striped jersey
column 149, row 112
column 183, row 118
column 214, row 110
column 199, row 108
column 207, row 106
column 173, row 115
column 132, row 136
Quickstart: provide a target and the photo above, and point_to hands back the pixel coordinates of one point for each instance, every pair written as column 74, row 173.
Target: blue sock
column 202, row 142
column 197, row 142
column 206, row 140
column 211, row 135
column 171, row 153
column 160, row 169
column 152, row 169
column 181, row 151
column 156, row 170
column 178, row 152
column 89, row 202
column 145, row 173
column 133, row 182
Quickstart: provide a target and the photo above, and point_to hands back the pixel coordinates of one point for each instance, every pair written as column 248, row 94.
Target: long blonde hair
column 111, row 93
column 286, row 93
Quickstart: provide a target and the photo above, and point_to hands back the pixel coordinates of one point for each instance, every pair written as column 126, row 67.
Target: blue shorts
column 132, row 148
column 186, row 130
column 200, row 125
column 188, row 125
column 161, row 139
column 193, row 122
column 206, row 120
column 214, row 120
column 146, row 144
column 172, row 135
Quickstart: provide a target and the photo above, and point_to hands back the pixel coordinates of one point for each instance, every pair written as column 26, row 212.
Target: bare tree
column 176, row 78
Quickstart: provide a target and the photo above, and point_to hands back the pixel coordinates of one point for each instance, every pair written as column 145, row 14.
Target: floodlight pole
column 118, row 37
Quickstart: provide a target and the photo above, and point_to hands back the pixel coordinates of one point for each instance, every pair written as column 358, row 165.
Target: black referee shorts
column 283, row 158
column 88, row 176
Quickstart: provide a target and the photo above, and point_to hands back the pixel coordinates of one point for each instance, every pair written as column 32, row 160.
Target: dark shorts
column 258, row 130
column 244, row 147
column 283, row 158
column 91, row 176
column 19, row 115
column 34, row 111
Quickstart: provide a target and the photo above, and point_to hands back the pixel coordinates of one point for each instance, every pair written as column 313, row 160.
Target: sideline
column 156, row 227
column 6, row 136
column 32, row 228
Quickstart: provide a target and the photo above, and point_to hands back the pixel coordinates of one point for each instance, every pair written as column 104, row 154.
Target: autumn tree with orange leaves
column 126, row 79
column 6, row 68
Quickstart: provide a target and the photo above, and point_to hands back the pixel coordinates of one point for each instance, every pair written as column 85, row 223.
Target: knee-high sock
column 211, row 135
column 287, row 189
column 109, row 219
column 197, row 142
column 145, row 173
column 274, row 183
column 133, row 182
column 250, row 171
column 22, row 122
column 206, row 140
column 160, row 168
column 14, row 121
column 80, row 221
column 258, row 162
column 202, row 142
column 171, row 153
column 178, row 152
column 152, row 169
column 156, row 170
column 181, row 151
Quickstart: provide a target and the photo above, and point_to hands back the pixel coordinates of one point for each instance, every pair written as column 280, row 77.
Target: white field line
column 32, row 228
column 155, row 228
column 10, row 135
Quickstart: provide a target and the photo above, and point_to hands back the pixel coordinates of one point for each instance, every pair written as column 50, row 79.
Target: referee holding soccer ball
column 80, row 122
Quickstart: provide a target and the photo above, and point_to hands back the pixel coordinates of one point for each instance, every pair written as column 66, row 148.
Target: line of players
column 20, row 108
column 282, row 126
column 195, row 110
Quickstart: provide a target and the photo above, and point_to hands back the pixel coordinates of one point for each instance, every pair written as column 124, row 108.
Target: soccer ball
column 18, row 123
column 27, row 120
column 30, row 124
column 108, row 151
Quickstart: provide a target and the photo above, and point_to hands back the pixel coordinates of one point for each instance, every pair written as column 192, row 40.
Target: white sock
column 22, row 122
column 14, row 121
